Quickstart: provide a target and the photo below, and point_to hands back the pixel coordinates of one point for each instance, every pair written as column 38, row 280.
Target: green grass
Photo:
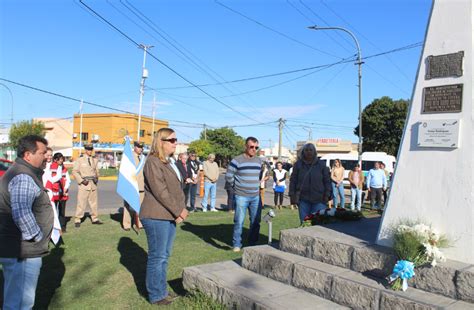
column 104, row 266
column 103, row 172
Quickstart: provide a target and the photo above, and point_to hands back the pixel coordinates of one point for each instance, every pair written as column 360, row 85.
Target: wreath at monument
column 415, row 244
column 331, row 215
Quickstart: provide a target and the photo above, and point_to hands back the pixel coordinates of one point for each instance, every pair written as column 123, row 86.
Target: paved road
column 110, row 201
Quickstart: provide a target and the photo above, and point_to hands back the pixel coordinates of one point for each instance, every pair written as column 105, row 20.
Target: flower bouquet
column 414, row 244
column 329, row 215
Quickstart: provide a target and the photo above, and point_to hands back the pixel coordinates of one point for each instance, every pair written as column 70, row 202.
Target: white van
column 349, row 161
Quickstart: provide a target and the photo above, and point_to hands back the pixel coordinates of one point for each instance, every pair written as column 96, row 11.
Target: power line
column 367, row 39
column 179, row 47
column 164, row 64
column 276, row 31
column 398, row 49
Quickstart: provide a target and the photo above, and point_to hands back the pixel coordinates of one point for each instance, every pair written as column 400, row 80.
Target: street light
column 142, row 86
column 359, row 63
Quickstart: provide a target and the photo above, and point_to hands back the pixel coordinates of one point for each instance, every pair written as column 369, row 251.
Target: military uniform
column 86, row 169
column 126, row 220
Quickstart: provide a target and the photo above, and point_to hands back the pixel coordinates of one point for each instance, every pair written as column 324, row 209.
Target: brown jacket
column 164, row 196
column 361, row 179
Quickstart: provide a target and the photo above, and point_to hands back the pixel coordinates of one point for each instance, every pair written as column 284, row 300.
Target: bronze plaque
column 441, row 66
column 442, row 99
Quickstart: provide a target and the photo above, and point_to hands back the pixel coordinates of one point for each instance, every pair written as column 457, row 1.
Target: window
column 368, row 164
column 142, row 133
column 85, row 136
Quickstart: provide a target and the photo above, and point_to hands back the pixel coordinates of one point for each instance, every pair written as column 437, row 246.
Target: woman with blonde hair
column 337, row 178
column 162, row 208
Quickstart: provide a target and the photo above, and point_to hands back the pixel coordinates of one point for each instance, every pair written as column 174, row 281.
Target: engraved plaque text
column 441, row 66
column 442, row 99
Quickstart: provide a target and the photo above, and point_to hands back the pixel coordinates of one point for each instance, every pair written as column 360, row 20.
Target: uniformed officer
column 86, row 173
column 128, row 212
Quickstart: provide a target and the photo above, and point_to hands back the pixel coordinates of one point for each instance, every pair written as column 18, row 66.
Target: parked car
column 4, row 165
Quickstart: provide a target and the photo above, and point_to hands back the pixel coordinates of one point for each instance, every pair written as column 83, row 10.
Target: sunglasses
column 171, row 140
column 253, row 147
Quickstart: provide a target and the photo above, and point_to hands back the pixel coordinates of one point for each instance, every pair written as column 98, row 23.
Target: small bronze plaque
column 442, row 99
column 442, row 66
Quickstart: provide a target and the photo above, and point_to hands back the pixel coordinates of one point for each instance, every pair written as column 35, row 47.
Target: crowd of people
column 34, row 192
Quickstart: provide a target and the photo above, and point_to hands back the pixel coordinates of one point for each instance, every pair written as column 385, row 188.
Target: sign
column 442, row 99
column 439, row 133
column 328, row 141
column 442, row 66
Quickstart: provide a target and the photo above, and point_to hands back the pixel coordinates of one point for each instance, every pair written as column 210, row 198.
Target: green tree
column 24, row 128
column 382, row 125
column 201, row 147
column 226, row 143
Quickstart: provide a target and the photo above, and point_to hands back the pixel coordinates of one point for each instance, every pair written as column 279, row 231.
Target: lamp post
column 142, row 86
column 359, row 63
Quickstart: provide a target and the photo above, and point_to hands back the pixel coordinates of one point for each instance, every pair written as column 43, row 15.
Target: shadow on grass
column 51, row 276
column 219, row 232
column 134, row 258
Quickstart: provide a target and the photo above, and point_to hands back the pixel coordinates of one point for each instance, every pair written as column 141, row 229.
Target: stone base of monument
column 334, row 267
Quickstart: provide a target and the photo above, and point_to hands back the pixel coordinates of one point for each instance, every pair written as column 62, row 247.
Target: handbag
column 279, row 189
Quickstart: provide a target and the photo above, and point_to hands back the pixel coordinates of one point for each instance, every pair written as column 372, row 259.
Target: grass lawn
column 104, row 266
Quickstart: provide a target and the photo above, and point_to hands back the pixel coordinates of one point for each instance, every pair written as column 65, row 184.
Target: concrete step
column 338, row 284
column 238, row 288
column 451, row 279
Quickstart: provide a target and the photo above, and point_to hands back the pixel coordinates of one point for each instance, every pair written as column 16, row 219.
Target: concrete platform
column 238, row 288
column 338, row 284
column 325, row 244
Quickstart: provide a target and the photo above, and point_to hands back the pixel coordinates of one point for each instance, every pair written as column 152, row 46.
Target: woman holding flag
column 163, row 207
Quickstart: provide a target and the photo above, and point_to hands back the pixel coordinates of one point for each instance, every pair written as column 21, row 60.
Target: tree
column 25, row 128
column 382, row 125
column 225, row 142
column 202, row 148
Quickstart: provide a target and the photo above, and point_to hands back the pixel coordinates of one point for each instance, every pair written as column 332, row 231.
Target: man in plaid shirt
column 26, row 222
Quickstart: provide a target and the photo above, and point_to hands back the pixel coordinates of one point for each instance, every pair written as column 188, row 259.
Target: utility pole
column 142, row 87
column 310, row 133
column 80, row 129
column 281, row 123
column 153, row 116
column 205, row 131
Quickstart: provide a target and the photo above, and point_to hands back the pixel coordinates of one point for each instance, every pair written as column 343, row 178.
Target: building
column 106, row 131
column 271, row 153
column 59, row 134
column 331, row 145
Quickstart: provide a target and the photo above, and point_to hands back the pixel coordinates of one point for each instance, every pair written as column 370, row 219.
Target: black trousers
column 191, row 196
column 61, row 207
column 276, row 197
column 376, row 197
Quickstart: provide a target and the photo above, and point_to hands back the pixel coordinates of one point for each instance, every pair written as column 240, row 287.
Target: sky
column 64, row 48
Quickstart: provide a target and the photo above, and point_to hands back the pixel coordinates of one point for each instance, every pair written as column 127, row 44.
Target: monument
column 434, row 178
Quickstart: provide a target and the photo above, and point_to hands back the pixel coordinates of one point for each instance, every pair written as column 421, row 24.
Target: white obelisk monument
column 434, row 177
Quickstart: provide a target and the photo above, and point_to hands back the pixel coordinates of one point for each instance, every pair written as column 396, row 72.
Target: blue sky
column 61, row 47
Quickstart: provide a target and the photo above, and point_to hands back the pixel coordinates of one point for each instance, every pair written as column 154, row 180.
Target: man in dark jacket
column 26, row 223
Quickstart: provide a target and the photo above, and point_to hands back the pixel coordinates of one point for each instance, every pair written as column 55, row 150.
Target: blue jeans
column 338, row 192
column 305, row 208
column 356, row 192
column 20, row 280
column 160, row 236
column 209, row 188
column 243, row 203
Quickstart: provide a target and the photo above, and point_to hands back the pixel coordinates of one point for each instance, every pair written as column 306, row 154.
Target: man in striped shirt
column 243, row 174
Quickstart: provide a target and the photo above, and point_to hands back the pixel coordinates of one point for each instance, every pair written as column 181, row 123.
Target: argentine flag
column 127, row 185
